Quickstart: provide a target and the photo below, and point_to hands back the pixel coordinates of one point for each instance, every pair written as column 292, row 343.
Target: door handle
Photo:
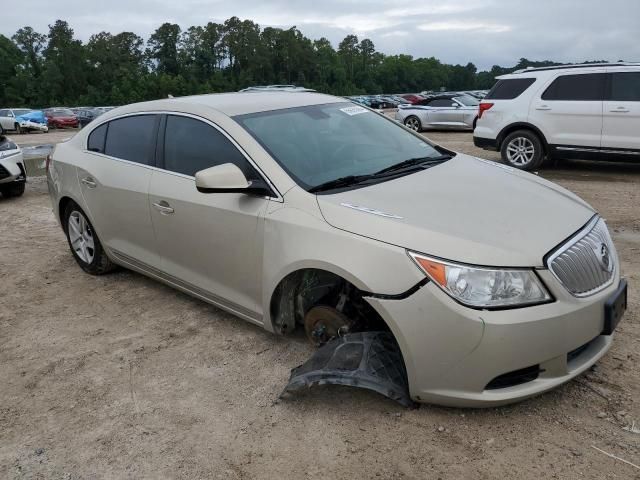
column 164, row 208
column 619, row 110
column 89, row 182
column 543, row 107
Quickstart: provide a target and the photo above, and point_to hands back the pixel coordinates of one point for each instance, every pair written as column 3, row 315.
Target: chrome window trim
column 570, row 243
column 277, row 198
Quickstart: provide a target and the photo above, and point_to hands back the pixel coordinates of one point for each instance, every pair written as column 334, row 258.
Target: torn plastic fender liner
column 370, row 360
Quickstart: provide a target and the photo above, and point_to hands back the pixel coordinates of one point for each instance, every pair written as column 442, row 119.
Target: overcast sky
column 485, row 32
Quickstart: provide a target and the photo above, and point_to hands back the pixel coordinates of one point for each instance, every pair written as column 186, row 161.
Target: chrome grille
column 585, row 264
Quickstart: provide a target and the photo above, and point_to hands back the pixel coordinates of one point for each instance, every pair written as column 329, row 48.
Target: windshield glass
column 468, row 100
column 320, row 143
column 21, row 111
column 62, row 112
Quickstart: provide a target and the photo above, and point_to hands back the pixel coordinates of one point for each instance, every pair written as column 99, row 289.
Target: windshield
column 62, row 112
column 468, row 100
column 320, row 143
column 21, row 111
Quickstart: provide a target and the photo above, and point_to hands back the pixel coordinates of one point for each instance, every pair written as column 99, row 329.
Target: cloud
column 485, row 32
column 455, row 26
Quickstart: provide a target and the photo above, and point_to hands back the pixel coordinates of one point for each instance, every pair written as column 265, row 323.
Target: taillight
column 483, row 107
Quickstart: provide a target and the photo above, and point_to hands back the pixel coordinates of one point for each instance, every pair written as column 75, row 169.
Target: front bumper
column 12, row 169
column 453, row 353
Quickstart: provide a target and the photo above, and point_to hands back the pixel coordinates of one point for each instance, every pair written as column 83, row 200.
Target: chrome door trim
column 148, row 270
column 277, row 198
column 597, row 150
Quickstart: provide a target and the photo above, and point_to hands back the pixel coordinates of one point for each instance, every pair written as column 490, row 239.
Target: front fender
column 296, row 239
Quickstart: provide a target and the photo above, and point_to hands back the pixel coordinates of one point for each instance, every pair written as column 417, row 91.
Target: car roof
column 241, row 103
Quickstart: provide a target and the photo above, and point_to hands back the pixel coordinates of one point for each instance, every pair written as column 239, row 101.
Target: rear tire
column 84, row 242
column 13, row 190
column 413, row 123
column 523, row 150
column 18, row 128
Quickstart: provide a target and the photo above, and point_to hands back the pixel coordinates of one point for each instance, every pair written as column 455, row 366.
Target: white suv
column 589, row 111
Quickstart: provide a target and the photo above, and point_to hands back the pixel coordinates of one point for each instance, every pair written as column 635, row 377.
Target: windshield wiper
column 347, row 181
column 414, row 162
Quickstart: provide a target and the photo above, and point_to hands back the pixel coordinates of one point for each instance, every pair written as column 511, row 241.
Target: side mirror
column 228, row 178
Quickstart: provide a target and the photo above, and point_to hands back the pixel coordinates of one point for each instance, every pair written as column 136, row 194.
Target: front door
column 211, row 244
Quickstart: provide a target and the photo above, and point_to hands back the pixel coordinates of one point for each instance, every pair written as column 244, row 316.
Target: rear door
column 211, row 244
column 114, row 179
column 569, row 110
column 621, row 124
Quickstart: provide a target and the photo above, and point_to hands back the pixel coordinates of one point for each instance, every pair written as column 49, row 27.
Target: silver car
column 451, row 112
column 466, row 282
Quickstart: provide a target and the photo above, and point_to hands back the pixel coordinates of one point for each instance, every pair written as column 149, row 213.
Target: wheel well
column 522, row 126
column 303, row 289
column 62, row 206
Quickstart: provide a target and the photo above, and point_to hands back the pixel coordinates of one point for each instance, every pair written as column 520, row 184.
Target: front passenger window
column 191, row 145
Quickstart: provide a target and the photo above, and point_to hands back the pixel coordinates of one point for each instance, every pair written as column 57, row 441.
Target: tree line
column 40, row 70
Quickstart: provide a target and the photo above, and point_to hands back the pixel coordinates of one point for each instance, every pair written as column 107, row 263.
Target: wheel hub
column 322, row 323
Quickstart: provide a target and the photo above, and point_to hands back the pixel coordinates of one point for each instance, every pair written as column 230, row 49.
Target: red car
column 412, row 98
column 61, row 118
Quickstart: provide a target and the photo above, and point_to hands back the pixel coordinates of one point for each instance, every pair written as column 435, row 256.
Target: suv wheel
column 413, row 123
column 15, row 189
column 84, row 243
column 523, row 150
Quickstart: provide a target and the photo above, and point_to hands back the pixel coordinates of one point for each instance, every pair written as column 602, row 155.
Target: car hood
column 35, row 116
column 466, row 209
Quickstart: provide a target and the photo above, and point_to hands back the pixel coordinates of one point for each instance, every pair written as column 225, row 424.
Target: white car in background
column 13, row 174
column 9, row 119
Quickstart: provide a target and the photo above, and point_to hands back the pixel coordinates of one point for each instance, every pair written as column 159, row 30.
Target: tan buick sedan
column 298, row 210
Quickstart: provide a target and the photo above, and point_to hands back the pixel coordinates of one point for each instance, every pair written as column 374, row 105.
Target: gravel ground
column 121, row 377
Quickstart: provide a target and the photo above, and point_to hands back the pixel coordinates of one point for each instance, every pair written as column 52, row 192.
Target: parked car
column 307, row 211
column 61, row 118
column 589, row 111
column 33, row 121
column 412, row 97
column 13, row 174
column 8, row 120
column 453, row 111
column 87, row 115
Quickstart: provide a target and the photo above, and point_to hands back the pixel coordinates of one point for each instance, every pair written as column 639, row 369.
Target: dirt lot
column 122, row 377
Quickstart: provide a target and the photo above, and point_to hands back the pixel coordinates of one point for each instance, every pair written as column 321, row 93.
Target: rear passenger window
column 577, row 87
column 132, row 138
column 509, row 89
column 441, row 102
column 97, row 138
column 625, row 87
column 191, row 145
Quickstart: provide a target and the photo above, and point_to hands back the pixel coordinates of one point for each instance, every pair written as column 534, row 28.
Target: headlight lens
column 481, row 287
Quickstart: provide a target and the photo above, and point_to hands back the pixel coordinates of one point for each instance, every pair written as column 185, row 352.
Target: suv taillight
column 483, row 107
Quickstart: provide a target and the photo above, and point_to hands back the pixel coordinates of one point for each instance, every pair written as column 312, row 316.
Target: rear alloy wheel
column 84, row 243
column 522, row 150
column 18, row 129
column 413, row 123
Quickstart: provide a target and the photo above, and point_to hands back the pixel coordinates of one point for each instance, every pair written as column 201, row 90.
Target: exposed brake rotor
column 323, row 323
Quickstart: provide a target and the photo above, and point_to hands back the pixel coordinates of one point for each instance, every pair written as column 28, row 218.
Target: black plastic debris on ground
column 370, row 360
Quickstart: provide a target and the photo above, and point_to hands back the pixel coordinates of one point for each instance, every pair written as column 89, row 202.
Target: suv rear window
column 509, row 89
column 589, row 86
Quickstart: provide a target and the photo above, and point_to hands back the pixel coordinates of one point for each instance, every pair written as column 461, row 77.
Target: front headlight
column 482, row 287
